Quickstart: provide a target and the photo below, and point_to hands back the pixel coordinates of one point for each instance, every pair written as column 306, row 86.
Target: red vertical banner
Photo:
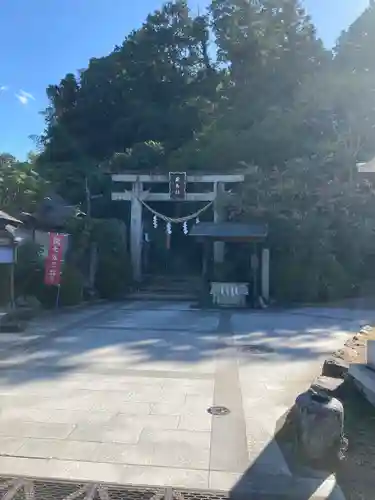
column 52, row 271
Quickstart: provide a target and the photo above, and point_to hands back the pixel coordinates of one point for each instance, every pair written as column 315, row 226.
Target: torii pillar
column 219, row 248
column 136, row 235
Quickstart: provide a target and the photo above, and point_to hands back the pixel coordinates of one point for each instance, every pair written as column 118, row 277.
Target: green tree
column 21, row 187
column 354, row 48
column 270, row 50
column 154, row 88
column 354, row 65
column 271, row 97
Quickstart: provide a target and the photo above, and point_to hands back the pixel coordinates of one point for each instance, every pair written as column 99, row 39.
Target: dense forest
column 244, row 86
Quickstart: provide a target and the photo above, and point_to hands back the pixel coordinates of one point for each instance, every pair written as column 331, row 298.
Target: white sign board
column 6, row 255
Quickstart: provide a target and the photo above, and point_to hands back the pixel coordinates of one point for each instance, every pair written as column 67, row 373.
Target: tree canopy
column 246, row 81
column 246, row 85
column 21, row 187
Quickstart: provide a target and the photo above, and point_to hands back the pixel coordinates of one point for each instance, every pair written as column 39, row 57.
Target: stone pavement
column 120, row 392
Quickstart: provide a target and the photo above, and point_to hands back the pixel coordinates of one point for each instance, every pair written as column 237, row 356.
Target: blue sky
column 42, row 40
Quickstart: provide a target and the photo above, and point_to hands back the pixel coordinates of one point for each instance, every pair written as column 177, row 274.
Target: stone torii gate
column 137, row 194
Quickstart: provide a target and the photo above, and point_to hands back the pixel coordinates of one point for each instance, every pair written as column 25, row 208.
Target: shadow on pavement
column 264, row 479
column 178, row 343
column 125, row 338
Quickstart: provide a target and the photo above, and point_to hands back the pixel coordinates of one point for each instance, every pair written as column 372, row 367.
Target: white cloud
column 24, row 97
column 27, row 95
column 3, row 88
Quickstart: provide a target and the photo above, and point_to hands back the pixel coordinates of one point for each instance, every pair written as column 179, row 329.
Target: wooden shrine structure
column 257, row 274
column 137, row 191
column 137, row 194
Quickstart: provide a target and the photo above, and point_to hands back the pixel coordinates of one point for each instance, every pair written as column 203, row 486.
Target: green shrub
column 4, row 284
column 113, row 274
column 28, row 273
column 29, row 269
column 71, row 292
column 113, row 270
column 314, row 279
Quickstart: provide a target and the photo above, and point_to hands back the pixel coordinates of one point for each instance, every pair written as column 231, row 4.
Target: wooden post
column 205, row 271
column 265, row 270
column 205, row 260
column 12, row 288
column 254, row 262
column 219, row 248
column 136, row 231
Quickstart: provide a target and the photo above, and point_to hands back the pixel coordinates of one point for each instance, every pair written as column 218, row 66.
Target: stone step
column 165, row 295
column 172, row 279
column 144, row 286
column 159, row 287
column 364, row 379
column 169, row 286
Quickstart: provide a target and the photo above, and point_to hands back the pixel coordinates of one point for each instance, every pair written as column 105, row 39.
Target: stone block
column 335, row 367
column 134, row 408
column 55, row 416
column 189, row 456
column 10, row 445
column 60, row 449
column 150, row 394
column 178, row 448
column 198, row 421
column 46, row 430
column 156, row 422
column 132, row 454
column 107, row 433
column 328, row 385
column 62, row 469
column 200, row 440
column 167, row 408
column 165, row 476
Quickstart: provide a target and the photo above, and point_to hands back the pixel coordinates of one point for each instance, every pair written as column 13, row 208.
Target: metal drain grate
column 218, row 410
column 256, row 349
column 33, row 489
column 37, row 489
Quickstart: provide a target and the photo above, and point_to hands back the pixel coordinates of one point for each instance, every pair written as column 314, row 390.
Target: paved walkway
column 120, row 392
